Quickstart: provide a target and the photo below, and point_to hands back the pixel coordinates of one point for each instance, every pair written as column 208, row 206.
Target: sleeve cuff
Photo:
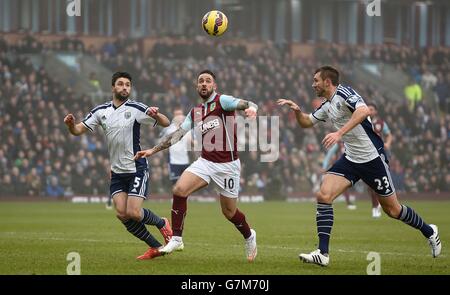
column 89, row 128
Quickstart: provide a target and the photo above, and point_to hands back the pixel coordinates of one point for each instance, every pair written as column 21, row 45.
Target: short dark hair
column 207, row 72
column 118, row 75
column 328, row 72
column 372, row 104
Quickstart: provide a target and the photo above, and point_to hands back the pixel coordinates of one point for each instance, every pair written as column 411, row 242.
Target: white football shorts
column 226, row 176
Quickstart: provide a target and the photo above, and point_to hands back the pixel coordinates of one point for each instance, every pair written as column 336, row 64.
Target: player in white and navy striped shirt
column 364, row 158
column 121, row 120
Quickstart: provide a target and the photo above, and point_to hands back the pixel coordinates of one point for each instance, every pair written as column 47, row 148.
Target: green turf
column 35, row 238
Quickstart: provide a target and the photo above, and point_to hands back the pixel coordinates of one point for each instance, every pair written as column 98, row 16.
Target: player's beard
column 207, row 95
column 320, row 92
column 121, row 97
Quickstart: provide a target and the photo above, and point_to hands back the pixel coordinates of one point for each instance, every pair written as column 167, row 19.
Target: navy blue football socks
column 139, row 230
column 324, row 219
column 410, row 217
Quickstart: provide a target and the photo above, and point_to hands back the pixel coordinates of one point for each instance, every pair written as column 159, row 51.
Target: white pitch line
column 273, row 247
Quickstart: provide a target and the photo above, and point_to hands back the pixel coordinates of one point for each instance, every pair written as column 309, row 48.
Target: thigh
column 227, row 177
column 120, row 202
column 333, row 186
column 188, row 183
column 138, row 185
column 134, row 203
column 376, row 175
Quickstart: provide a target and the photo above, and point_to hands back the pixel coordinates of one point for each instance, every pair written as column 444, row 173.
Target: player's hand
column 153, row 111
column 69, row 120
column 290, row 103
column 330, row 139
column 143, row 154
column 250, row 113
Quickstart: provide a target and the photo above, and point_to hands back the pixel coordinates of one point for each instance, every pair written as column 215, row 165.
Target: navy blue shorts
column 374, row 173
column 175, row 171
column 134, row 184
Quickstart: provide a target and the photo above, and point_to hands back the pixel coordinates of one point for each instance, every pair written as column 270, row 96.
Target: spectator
column 413, row 93
column 54, row 189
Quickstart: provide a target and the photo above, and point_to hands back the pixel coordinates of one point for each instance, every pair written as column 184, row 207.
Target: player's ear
column 215, row 86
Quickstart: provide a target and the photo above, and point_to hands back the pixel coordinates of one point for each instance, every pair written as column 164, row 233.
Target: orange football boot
column 166, row 230
column 150, row 254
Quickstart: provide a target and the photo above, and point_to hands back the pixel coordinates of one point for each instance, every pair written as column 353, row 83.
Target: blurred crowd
column 38, row 157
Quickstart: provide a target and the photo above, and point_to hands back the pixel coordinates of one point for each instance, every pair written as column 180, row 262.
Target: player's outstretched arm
column 388, row 141
column 165, row 143
column 249, row 107
column 161, row 119
column 357, row 117
column 74, row 129
column 302, row 119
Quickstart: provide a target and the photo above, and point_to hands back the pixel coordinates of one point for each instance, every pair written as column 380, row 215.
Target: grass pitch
column 35, row 238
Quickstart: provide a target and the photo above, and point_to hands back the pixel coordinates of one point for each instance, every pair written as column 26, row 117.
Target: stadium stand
column 38, row 158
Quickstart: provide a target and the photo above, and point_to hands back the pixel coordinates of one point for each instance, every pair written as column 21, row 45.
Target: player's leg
column 187, row 184
column 332, row 186
column 394, row 209
column 235, row 216
column 337, row 180
column 135, row 225
column 109, row 204
column 226, row 177
column 120, row 185
column 348, row 201
column 137, row 229
column 376, row 174
column 117, row 192
column 376, row 207
column 120, row 205
column 138, row 191
column 192, row 179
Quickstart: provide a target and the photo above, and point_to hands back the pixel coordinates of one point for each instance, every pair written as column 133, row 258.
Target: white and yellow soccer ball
column 215, row 23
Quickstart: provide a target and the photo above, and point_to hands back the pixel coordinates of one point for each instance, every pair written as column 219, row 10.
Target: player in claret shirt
column 219, row 162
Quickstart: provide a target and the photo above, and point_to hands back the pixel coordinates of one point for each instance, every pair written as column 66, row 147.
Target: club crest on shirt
column 103, row 118
column 353, row 99
column 127, row 115
column 338, row 106
column 212, row 107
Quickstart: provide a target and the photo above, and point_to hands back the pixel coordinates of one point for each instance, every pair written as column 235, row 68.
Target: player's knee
column 228, row 213
column 391, row 211
column 323, row 197
column 134, row 214
column 122, row 216
column 179, row 191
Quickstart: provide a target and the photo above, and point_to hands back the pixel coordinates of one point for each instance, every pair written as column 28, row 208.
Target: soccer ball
column 215, row 23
